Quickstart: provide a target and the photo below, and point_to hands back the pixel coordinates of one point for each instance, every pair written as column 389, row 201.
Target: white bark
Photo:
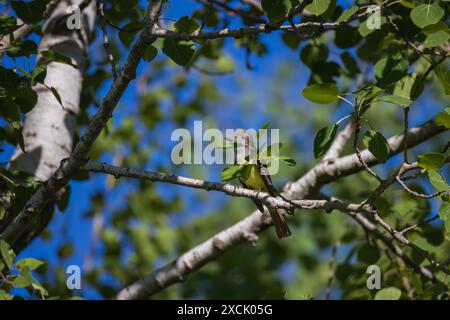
column 48, row 129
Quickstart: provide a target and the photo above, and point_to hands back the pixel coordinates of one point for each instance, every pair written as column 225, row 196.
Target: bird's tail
column 279, row 222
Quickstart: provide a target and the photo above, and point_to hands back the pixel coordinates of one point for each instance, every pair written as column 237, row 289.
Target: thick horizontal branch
column 324, row 172
column 229, row 189
column 195, row 258
column 307, row 27
column 247, row 229
column 79, row 155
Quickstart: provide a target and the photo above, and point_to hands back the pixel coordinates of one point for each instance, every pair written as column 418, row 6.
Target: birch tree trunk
column 49, row 128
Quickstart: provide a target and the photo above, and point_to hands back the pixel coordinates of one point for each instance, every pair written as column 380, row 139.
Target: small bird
column 258, row 179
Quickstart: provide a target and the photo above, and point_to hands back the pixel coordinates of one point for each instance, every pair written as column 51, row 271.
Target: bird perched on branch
column 257, row 178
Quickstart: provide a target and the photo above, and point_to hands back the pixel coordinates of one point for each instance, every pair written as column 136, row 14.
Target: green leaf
column 436, row 39
column 443, row 75
column 38, row 75
column 322, row 93
column 444, row 210
column 437, row 181
column 389, row 70
column 287, row 160
column 4, row 251
column 2, row 215
column 407, row 3
column 443, row 118
column 26, row 99
column 186, row 24
column 150, row 53
column 318, row 7
column 66, row 250
column 276, row 9
column 405, row 208
column 265, row 125
column 347, row 36
column 129, row 31
column 347, row 14
column 377, row 145
column 232, row 172
column 350, row 63
column 271, row 151
column 57, row 96
column 30, row 12
column 405, row 102
column 37, row 286
column 329, row 13
column 121, row 5
column 314, row 54
column 368, row 254
column 51, row 55
column 427, row 14
column 19, row 138
column 5, row 296
column 19, row 48
column 390, row 293
column 440, row 26
column 9, row 79
column 431, row 161
column 291, row 39
column 364, row 29
column 30, row 263
column 8, row 25
column 12, row 113
column 22, row 281
column 181, row 52
column 323, row 140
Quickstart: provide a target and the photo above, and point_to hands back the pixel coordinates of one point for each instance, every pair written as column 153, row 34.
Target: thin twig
column 331, row 264
column 419, row 224
column 405, row 133
column 106, row 45
column 355, row 146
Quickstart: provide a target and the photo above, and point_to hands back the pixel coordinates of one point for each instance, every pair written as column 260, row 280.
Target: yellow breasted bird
column 258, row 179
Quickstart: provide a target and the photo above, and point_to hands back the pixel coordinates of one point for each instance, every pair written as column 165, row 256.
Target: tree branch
column 307, row 27
column 101, row 15
column 79, row 155
column 25, row 29
column 339, row 143
column 247, row 229
column 324, row 173
column 244, row 231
